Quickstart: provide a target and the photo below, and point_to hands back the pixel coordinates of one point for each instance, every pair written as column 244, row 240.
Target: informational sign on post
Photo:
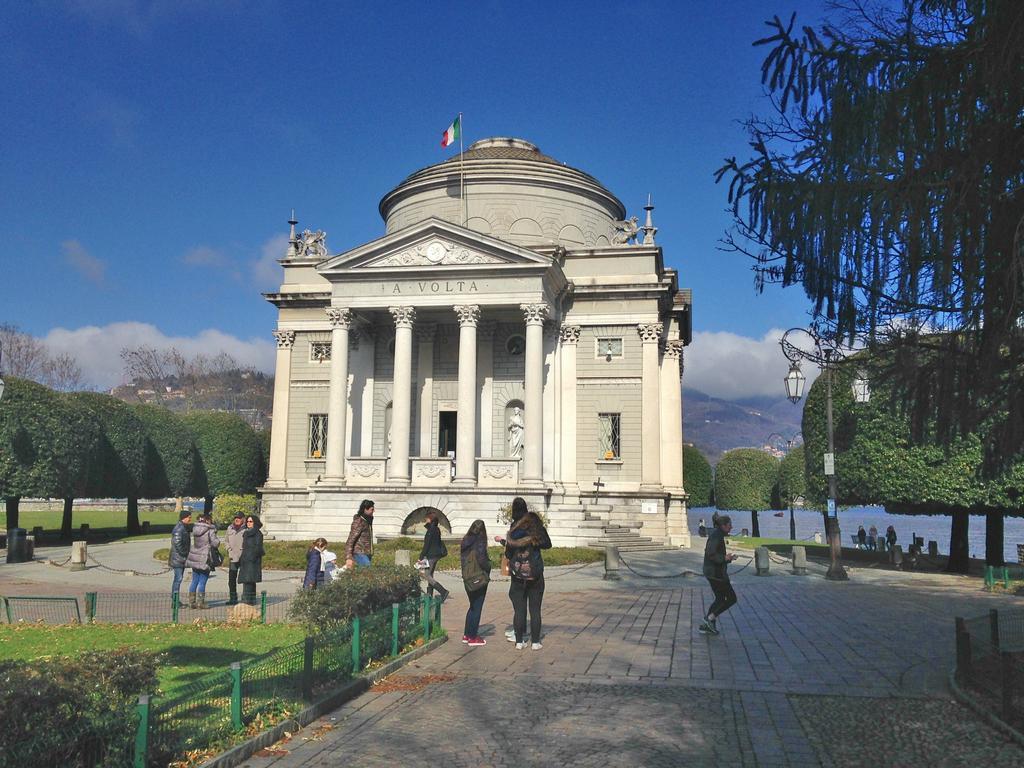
column 831, row 507
column 830, row 463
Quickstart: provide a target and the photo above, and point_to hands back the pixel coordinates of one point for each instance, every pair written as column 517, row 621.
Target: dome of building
column 512, row 191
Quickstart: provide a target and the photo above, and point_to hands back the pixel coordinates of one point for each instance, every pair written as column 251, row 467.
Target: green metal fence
column 208, row 712
column 140, row 608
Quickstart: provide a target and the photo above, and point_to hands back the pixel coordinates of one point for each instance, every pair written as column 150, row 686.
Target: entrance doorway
column 446, row 432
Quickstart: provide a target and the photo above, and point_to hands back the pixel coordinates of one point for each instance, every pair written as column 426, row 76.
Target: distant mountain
column 716, row 426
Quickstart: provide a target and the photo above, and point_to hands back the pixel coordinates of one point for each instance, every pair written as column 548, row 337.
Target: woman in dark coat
column 433, row 550
column 250, row 565
column 476, row 573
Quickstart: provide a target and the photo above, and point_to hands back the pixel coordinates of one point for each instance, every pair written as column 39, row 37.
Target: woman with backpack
column 476, row 574
column 526, row 538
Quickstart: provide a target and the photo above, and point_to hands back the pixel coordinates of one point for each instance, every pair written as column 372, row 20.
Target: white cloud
column 205, row 256
column 98, row 349
column 85, row 263
column 729, row 366
column 266, row 272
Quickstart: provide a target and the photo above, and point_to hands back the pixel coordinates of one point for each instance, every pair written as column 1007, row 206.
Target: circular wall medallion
column 436, row 252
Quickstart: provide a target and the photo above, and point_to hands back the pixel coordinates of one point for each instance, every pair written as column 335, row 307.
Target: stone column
column 401, row 403
column 279, row 424
column 485, row 372
column 570, row 340
column 465, row 439
column 337, row 398
column 535, row 314
column 367, row 358
column 650, row 423
column 672, row 412
column 425, row 335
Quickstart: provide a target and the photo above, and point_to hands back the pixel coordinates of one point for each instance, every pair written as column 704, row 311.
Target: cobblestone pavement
column 806, row 673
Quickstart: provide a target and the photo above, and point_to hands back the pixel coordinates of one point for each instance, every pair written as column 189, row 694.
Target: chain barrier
column 61, row 564
column 685, row 572
column 130, row 571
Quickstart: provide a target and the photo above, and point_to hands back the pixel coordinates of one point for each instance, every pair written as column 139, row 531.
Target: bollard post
column 356, row 655
column 761, row 561
column 993, row 628
column 145, row 526
column 175, row 605
column 611, row 563
column 263, row 607
column 989, row 577
column 236, row 695
column 800, row 561
column 307, row 669
column 142, row 732
column 403, row 557
column 1006, row 576
column 90, row 607
column 394, row 628
column 897, row 556
column 933, row 549
column 79, row 555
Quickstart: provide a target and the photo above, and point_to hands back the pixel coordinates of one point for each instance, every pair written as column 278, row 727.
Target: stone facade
column 511, row 342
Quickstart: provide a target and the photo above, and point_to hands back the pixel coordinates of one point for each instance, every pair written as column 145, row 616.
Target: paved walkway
column 805, row 673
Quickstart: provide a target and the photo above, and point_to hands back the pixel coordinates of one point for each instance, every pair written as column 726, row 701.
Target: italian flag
column 453, row 133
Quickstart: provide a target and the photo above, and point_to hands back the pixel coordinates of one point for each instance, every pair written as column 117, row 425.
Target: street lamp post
column 825, row 354
column 792, row 521
column 1, row 371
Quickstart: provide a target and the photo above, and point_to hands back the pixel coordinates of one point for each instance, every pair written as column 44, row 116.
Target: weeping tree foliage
column 173, row 466
column 123, row 450
column 889, row 184
column 697, row 477
column 878, row 461
column 230, row 450
column 745, row 478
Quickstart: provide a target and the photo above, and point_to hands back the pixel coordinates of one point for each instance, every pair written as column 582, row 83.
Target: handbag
column 215, row 558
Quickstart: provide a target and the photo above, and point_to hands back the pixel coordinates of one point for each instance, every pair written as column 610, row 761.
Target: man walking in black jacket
column 716, row 563
column 433, row 550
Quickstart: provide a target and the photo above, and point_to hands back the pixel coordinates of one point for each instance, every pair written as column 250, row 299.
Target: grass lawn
column 761, row 541
column 291, row 555
column 104, row 524
column 188, row 651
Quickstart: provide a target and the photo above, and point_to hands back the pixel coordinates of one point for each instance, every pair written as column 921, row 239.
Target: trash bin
column 17, row 545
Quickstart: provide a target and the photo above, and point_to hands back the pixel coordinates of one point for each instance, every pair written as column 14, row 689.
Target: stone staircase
column 597, row 522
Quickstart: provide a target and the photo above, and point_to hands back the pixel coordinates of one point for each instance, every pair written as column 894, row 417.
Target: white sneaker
column 510, row 634
column 536, row 646
column 520, row 646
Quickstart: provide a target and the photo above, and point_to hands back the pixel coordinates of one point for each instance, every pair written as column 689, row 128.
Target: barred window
column 608, row 434
column 609, row 348
column 319, row 351
column 317, row 435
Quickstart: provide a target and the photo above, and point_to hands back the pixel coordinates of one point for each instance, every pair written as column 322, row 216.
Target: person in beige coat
column 234, row 537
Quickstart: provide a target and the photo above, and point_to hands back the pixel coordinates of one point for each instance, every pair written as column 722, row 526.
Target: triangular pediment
column 433, row 244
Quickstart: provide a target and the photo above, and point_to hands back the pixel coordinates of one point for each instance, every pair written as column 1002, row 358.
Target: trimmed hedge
column 697, row 477
column 58, row 711
column 231, row 452
column 358, row 593
column 745, row 478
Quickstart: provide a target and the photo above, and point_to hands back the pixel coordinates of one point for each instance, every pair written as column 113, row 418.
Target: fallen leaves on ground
column 411, row 682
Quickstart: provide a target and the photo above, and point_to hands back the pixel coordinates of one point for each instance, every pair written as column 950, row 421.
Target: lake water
column 928, row 527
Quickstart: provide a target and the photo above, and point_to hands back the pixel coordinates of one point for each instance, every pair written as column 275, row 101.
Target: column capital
column 570, row 334
column 340, row 317
column 485, row 329
column 650, row 333
column 535, row 314
column 674, row 349
column 404, row 316
column 285, row 339
column 469, row 314
column 426, row 333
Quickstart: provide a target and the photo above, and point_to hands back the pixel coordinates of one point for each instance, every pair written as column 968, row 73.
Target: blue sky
column 153, row 151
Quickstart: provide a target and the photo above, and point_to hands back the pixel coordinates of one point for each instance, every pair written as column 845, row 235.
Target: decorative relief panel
column 365, row 471
column 497, row 473
column 435, row 252
column 431, row 471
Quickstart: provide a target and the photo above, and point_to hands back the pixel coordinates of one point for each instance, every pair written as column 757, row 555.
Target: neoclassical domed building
column 511, row 333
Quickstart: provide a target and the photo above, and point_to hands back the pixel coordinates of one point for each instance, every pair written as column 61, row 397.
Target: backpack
column 526, row 564
column 473, row 575
column 215, row 558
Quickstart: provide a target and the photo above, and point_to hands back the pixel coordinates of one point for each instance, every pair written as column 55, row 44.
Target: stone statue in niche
column 626, row 230
column 516, row 427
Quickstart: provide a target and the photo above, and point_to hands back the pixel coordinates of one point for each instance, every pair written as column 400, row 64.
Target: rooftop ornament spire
column 648, row 228
column 292, row 249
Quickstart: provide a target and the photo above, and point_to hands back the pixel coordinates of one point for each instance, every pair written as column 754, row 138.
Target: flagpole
column 462, row 179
